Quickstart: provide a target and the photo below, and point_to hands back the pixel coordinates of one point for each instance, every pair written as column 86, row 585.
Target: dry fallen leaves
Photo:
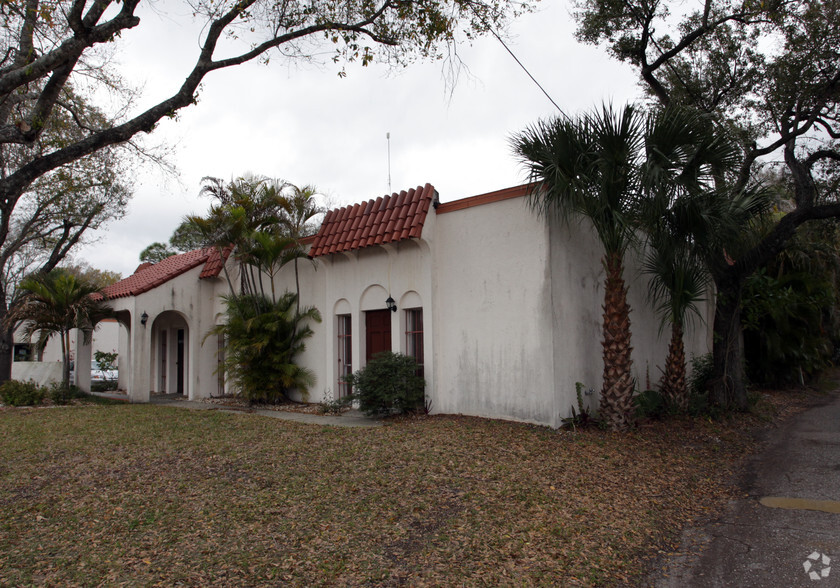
column 152, row 495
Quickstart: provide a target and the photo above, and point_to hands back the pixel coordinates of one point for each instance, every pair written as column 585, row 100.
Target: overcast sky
column 305, row 124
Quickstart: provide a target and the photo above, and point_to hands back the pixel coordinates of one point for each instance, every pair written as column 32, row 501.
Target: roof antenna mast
column 388, row 138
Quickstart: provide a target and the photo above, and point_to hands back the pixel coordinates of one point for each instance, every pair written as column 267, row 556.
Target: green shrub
column 702, row 370
column 61, row 394
column 17, row 393
column 107, row 386
column 107, row 361
column 583, row 417
column 388, row 384
column 650, row 404
column 330, row 405
column 787, row 332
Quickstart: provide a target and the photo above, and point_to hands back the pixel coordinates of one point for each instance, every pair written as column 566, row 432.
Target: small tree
column 263, row 338
column 769, row 73
column 156, row 252
column 682, row 215
column 298, row 211
column 53, row 304
column 106, row 360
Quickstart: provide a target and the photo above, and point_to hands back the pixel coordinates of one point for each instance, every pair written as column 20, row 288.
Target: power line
column 525, row 69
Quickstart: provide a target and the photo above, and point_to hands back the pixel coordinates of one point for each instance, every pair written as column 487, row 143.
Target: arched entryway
column 170, row 358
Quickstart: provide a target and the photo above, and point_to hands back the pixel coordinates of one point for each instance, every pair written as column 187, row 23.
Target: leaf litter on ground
column 151, row 495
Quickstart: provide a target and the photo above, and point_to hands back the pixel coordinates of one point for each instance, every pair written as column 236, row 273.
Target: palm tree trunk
column 224, row 267
column 297, row 287
column 616, row 407
column 673, row 385
column 65, row 358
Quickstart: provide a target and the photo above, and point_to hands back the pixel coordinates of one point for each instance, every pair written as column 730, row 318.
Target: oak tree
column 51, row 64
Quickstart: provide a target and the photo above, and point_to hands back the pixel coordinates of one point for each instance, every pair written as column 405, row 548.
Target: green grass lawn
column 147, row 495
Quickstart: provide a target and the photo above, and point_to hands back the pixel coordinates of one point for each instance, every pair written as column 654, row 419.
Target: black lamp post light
column 391, row 304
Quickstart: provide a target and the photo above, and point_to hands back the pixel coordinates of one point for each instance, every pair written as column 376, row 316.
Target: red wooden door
column 378, row 332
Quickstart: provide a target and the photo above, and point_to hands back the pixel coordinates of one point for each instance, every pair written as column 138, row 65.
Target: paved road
column 789, row 515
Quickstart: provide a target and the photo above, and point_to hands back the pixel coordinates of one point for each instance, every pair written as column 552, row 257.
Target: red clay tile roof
column 150, row 276
column 215, row 263
column 384, row 220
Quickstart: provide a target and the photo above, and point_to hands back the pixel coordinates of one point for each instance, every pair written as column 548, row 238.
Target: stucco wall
column 184, row 302
column 578, row 279
column 353, row 283
column 577, row 298
column 492, row 308
column 512, row 311
column 42, row 372
column 105, row 338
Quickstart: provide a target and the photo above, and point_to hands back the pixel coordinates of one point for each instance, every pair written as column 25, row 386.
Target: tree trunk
column 616, row 407
column 727, row 388
column 65, row 359
column 673, row 385
column 297, row 287
column 7, row 342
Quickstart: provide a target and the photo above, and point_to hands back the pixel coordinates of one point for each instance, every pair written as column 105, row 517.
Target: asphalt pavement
column 784, row 529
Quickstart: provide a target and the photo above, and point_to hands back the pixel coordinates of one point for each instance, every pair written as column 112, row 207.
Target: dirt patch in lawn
column 154, row 495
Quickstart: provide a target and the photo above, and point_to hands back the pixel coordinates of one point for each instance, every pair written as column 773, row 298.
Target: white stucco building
column 502, row 307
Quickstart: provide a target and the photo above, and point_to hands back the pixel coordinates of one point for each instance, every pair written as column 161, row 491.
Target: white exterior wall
column 353, row 283
column 577, row 277
column 512, row 311
column 41, row 372
column 312, row 293
column 578, row 283
column 492, row 308
column 184, row 302
column 105, row 338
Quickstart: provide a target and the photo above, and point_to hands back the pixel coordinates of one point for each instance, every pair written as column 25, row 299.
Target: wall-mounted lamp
column 144, row 318
column 391, row 304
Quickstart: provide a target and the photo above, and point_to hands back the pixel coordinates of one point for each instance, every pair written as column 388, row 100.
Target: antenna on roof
column 388, row 138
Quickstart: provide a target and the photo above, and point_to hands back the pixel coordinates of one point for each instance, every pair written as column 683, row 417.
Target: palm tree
column 53, row 304
column 243, row 207
column 690, row 222
column 263, row 338
column 588, row 167
column 678, row 283
column 298, row 210
column 682, row 214
column 268, row 252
